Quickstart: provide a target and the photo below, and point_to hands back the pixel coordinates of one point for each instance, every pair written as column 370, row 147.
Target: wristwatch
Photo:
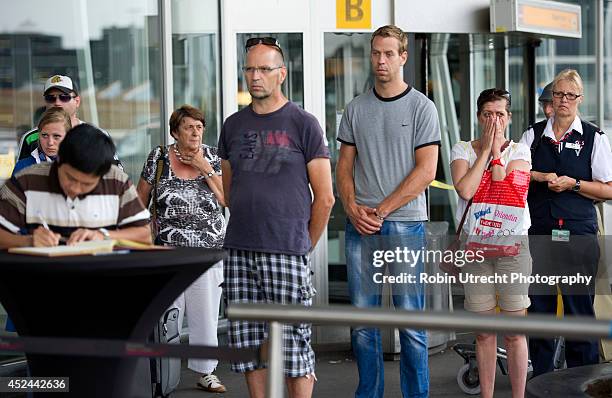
column 576, row 187
column 105, row 232
column 209, row 174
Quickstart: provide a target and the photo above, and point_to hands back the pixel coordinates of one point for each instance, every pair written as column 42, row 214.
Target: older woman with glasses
column 469, row 161
column 572, row 167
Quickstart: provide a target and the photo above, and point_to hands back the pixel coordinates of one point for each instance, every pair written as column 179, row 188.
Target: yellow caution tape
column 441, row 185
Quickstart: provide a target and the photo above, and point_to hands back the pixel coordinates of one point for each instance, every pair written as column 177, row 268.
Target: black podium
column 101, row 297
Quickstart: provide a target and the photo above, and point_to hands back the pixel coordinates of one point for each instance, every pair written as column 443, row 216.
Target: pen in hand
column 46, row 226
column 44, row 223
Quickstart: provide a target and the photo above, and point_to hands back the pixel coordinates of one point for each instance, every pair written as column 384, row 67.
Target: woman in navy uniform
column 571, row 168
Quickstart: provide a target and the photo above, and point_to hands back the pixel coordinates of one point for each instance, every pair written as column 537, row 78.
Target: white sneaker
column 211, row 383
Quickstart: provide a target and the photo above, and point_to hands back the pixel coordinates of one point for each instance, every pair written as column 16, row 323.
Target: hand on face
column 493, row 118
column 499, row 138
column 487, row 136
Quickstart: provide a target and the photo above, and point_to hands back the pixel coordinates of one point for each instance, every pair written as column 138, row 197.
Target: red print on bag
column 490, row 223
column 512, row 191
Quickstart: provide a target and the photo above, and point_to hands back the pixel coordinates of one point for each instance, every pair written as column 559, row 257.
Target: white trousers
column 201, row 304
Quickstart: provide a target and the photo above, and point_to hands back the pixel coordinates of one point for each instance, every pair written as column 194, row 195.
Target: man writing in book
column 82, row 196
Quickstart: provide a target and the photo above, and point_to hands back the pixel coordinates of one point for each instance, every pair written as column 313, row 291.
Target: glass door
column 347, row 74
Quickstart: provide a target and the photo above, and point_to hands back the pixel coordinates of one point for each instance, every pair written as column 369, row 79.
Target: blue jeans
column 365, row 293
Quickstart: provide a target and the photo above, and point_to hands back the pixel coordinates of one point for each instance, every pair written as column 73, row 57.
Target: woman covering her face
column 469, row 161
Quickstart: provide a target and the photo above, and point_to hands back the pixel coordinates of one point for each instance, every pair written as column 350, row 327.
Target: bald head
column 262, row 52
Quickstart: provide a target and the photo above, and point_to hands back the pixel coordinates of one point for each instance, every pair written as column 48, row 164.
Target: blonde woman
column 52, row 127
column 572, row 166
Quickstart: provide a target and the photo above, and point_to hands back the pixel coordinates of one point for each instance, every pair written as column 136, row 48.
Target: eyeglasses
column 267, row 41
column 569, row 96
column 262, row 69
column 51, row 98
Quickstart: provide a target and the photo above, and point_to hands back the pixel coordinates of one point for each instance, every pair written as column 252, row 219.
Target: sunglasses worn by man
column 51, row 98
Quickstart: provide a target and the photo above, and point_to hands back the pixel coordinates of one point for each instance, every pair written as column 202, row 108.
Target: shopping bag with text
column 495, row 220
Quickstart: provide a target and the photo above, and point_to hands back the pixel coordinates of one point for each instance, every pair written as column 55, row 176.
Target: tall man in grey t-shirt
column 273, row 152
column 388, row 157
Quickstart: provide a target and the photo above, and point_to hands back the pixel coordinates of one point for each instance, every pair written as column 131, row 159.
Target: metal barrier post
column 276, row 373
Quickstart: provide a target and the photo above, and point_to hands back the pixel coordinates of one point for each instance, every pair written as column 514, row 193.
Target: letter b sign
column 353, row 14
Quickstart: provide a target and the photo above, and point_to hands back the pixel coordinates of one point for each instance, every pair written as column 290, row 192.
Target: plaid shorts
column 254, row 277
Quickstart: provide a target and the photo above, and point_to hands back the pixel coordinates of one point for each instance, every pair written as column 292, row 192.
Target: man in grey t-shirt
column 390, row 137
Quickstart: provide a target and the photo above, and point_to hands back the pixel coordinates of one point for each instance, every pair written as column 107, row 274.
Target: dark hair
column 492, row 95
column 87, row 149
column 185, row 111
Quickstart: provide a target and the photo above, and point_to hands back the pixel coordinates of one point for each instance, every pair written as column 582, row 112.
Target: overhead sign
column 536, row 16
column 442, row 16
column 353, row 14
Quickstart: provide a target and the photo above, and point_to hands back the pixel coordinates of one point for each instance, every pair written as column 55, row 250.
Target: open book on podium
column 92, row 247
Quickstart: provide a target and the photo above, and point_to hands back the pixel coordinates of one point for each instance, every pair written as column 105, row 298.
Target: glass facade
column 554, row 55
column 195, row 61
column 348, row 73
column 113, row 57
column 607, row 67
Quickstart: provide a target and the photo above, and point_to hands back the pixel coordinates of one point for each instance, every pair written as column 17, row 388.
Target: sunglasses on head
column 51, row 98
column 267, row 41
column 496, row 92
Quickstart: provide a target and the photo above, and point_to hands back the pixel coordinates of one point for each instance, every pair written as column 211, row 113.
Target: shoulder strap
column 465, row 212
column 158, row 172
column 160, row 165
column 503, row 148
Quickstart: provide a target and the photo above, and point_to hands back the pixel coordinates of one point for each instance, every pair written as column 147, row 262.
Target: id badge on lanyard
column 560, row 235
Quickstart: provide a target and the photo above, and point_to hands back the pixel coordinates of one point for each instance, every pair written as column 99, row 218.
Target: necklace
column 176, row 151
